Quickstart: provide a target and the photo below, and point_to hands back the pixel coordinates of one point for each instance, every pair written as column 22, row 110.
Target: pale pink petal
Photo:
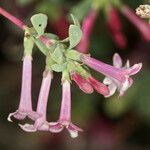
column 135, row 69
column 107, row 81
column 55, row 127
column 127, row 65
column 117, row 61
column 123, row 87
column 28, row 127
column 112, row 89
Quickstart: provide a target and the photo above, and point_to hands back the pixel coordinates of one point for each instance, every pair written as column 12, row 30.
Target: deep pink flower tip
column 82, row 83
column 98, row 86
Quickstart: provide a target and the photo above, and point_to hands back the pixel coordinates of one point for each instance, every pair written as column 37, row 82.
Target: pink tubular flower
column 138, row 22
column 25, row 106
column 121, row 76
column 113, row 84
column 87, row 26
column 65, row 114
column 41, row 123
column 98, row 86
column 82, row 83
column 115, row 26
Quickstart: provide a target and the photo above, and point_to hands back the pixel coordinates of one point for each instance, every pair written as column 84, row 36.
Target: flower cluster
column 74, row 67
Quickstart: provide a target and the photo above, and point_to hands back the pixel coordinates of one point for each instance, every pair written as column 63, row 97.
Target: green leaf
column 74, row 55
column 59, row 67
column 57, row 55
column 39, row 22
column 75, row 20
column 28, row 45
column 75, row 35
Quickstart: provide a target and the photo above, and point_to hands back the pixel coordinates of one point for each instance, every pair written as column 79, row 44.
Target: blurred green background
column 109, row 124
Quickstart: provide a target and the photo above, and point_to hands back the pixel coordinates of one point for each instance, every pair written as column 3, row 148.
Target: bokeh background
column 109, row 124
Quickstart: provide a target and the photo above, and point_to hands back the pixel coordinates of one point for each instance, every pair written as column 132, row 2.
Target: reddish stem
column 13, row 19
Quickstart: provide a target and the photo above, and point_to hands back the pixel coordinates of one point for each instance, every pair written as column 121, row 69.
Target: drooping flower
column 25, row 106
column 87, row 27
column 82, row 83
column 138, row 22
column 41, row 123
column 115, row 27
column 121, row 76
column 65, row 113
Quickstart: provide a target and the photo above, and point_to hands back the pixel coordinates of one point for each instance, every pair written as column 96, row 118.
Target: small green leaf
column 74, row 55
column 57, row 55
column 75, row 20
column 59, row 67
column 39, row 22
column 75, row 35
column 28, row 45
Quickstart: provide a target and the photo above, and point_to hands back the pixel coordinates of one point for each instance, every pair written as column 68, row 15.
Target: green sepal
column 57, row 55
column 75, row 20
column 71, row 66
column 59, row 67
column 28, row 45
column 41, row 46
column 65, row 76
column 82, row 71
column 49, row 61
column 39, row 22
column 74, row 55
column 75, row 35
